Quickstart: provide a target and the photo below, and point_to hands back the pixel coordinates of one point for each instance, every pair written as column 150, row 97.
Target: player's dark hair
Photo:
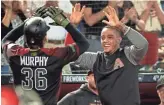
column 114, row 28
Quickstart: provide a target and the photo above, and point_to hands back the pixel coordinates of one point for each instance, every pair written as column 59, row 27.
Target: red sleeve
column 68, row 53
column 12, row 49
column 68, row 39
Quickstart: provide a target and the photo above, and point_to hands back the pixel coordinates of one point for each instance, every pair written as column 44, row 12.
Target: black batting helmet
column 35, row 30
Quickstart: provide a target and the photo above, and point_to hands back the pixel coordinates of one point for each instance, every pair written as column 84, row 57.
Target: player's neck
column 112, row 52
column 162, row 103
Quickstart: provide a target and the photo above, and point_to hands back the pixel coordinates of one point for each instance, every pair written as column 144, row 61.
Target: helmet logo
column 32, row 41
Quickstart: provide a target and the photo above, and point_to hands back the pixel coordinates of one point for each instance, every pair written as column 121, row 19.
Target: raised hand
column 132, row 14
column 113, row 19
column 58, row 16
column 111, row 14
column 77, row 14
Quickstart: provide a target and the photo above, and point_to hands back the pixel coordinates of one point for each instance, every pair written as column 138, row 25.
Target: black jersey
column 116, row 79
column 40, row 69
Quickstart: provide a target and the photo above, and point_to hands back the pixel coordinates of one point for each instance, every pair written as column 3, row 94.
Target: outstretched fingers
column 113, row 14
column 116, row 19
column 40, row 12
column 51, row 10
column 107, row 15
column 106, row 22
column 77, row 7
column 41, row 9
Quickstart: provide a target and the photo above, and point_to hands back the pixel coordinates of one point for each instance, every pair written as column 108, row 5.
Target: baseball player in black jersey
column 37, row 68
column 115, row 69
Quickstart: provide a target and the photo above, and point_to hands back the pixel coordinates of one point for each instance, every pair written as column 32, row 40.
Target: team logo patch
column 118, row 64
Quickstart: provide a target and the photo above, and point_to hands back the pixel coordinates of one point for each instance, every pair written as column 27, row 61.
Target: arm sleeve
column 67, row 100
column 8, row 42
column 68, row 40
column 72, row 51
column 86, row 60
column 80, row 40
column 139, row 48
column 13, row 35
column 5, row 30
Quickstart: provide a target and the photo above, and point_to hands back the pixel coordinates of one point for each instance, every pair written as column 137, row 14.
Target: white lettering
column 36, row 60
column 41, row 61
column 33, row 61
column 74, row 78
column 22, row 60
column 45, row 60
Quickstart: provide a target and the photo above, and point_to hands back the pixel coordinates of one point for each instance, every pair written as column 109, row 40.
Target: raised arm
column 139, row 48
column 159, row 12
column 140, row 45
column 79, row 39
column 73, row 51
column 13, row 35
column 9, row 40
column 75, row 18
column 60, row 19
column 86, row 60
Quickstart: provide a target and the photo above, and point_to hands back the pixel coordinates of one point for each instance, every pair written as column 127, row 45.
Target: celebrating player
column 37, row 68
column 114, row 69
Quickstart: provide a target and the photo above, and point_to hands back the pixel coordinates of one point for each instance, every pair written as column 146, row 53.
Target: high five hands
column 58, row 15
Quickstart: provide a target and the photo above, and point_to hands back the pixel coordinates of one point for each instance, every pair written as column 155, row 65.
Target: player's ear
column 158, row 91
column 119, row 40
column 87, row 78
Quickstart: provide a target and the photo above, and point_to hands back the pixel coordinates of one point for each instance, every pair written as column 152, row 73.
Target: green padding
column 65, row 22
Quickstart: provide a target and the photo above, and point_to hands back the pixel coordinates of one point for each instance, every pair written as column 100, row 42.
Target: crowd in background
column 144, row 16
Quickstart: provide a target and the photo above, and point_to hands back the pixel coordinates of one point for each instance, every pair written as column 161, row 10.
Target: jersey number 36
column 34, row 78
